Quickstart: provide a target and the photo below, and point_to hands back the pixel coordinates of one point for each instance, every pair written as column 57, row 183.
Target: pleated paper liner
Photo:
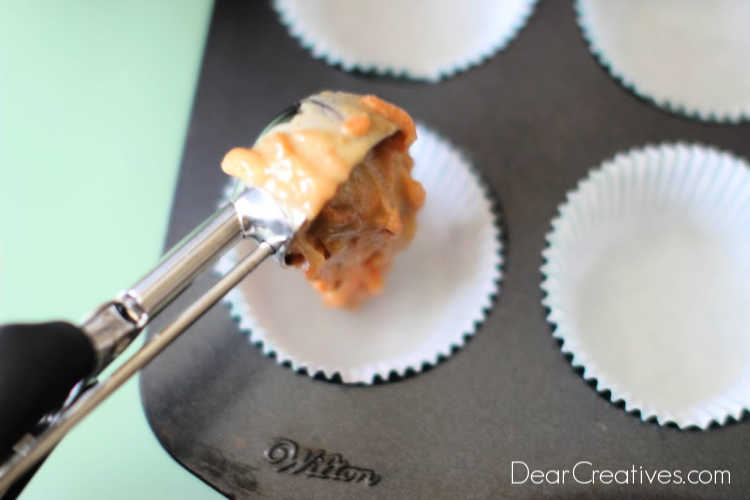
column 417, row 39
column 437, row 293
column 647, row 281
column 689, row 57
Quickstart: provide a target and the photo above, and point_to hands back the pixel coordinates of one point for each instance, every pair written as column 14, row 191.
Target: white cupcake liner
column 436, row 294
column 417, row 39
column 647, row 279
column 689, row 57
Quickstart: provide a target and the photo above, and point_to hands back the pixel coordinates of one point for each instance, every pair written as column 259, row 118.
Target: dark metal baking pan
column 533, row 119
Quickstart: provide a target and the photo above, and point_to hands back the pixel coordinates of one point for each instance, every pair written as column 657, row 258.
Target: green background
column 94, row 103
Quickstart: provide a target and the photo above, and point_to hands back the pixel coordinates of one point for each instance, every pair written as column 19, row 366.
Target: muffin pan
column 532, row 120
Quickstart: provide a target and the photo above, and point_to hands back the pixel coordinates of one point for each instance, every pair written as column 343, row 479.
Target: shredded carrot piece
column 357, row 124
column 394, row 114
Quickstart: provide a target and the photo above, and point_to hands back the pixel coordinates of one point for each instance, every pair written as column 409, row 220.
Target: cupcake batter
column 342, row 162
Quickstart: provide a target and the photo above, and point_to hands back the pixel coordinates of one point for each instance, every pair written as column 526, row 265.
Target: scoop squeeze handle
column 39, row 365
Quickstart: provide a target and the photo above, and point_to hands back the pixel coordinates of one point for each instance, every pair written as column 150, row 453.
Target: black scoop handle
column 39, row 365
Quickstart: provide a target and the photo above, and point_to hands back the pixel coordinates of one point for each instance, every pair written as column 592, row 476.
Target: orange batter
column 343, row 164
